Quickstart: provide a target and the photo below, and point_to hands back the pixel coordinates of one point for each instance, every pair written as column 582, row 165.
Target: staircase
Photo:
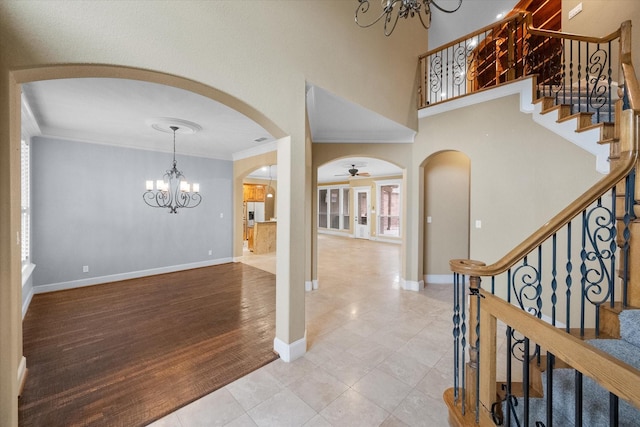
column 595, row 399
column 566, row 298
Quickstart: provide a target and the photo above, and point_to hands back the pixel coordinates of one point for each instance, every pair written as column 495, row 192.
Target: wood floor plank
column 127, row 353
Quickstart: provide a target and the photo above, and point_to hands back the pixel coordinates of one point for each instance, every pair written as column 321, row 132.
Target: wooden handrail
column 628, row 160
column 560, row 35
column 614, row 375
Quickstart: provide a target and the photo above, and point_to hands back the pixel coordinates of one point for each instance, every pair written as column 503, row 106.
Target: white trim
column 522, row 87
column 22, row 372
column 333, row 232
column 26, row 300
column 254, row 151
column 308, row 285
column 412, row 285
column 438, row 279
column 290, row 352
column 124, row 276
column 395, row 240
column 587, row 140
column 315, row 284
column 27, row 271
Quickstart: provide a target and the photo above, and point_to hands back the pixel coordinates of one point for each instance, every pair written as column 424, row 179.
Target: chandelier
column 173, row 191
column 392, row 10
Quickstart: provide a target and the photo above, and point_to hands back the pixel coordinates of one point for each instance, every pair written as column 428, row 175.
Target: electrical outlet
column 478, row 223
column 210, row 252
column 428, row 220
column 85, row 268
column 576, row 10
column 221, row 215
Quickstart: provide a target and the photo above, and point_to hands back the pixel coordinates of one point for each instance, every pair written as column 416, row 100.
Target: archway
column 446, row 198
column 11, row 357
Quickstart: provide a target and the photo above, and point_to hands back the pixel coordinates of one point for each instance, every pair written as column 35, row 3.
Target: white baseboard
column 290, row 352
column 22, row 373
column 412, row 285
column 125, row 276
column 395, row 241
column 26, row 300
column 334, row 233
column 311, row 285
column 438, row 279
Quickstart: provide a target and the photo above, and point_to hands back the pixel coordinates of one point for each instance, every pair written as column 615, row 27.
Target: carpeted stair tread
column 595, row 403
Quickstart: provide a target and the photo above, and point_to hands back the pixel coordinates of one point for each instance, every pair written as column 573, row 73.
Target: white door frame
column 361, row 231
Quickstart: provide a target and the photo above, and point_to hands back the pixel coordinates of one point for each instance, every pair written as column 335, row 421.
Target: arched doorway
column 11, row 357
column 446, row 198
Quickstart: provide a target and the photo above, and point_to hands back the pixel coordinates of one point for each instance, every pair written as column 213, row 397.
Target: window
column 333, row 208
column 25, row 202
column 388, row 209
column 345, row 208
column 322, row 208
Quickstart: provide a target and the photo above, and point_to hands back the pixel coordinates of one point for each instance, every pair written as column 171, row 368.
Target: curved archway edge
column 66, row 71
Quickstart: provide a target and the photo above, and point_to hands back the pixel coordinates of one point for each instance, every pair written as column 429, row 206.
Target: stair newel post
column 473, row 379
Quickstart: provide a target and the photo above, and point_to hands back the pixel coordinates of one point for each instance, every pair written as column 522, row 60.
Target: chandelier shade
column 173, row 191
column 392, row 10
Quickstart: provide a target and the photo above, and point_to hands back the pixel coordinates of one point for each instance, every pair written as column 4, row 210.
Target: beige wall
column 446, row 188
column 259, row 53
column 602, row 17
column 521, row 173
column 256, row 57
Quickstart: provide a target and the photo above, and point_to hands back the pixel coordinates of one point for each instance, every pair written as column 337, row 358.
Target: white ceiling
column 119, row 111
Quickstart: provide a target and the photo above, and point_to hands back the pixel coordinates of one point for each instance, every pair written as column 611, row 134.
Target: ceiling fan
column 354, row 172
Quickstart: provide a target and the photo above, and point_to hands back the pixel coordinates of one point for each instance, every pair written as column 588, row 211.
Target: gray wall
column 87, row 209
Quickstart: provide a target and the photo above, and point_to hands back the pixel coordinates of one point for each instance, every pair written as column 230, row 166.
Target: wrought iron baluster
column 463, row 333
column 571, row 71
column 568, row 279
column 629, row 215
column 583, row 271
column 509, row 402
column 612, row 250
column 549, row 391
column 474, row 351
column 587, row 81
column 579, row 76
column 578, row 398
column 554, row 281
column 525, row 382
column 609, row 72
column 613, row 409
column 456, row 334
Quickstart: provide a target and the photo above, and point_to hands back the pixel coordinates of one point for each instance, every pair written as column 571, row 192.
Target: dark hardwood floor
column 127, row 353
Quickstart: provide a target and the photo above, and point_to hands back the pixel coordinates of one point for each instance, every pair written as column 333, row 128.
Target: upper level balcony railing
column 574, row 70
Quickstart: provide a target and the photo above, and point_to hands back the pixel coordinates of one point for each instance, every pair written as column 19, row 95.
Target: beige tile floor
column 377, row 355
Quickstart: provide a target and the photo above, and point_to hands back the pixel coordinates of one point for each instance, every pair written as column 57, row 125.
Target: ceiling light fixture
column 404, row 9
column 173, row 191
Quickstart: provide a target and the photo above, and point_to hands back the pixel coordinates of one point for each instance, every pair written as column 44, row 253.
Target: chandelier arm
column 363, row 7
column 170, row 195
column 433, row 2
column 427, row 12
column 388, row 32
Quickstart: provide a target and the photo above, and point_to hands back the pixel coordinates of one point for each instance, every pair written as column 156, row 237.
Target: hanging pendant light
column 269, row 193
column 173, row 191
